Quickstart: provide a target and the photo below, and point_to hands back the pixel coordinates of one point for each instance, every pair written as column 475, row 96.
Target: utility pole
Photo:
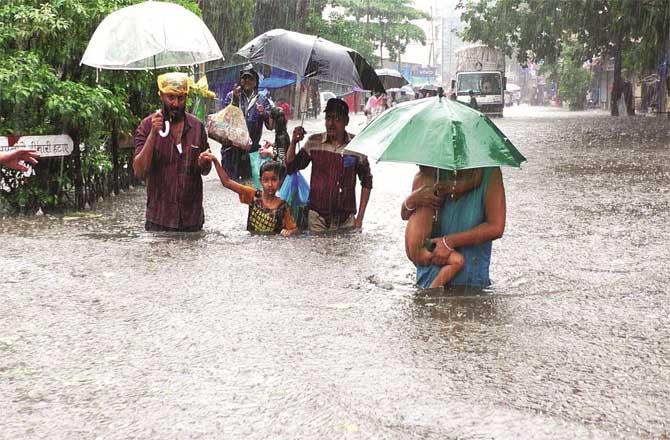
column 451, row 51
column 444, row 29
column 432, row 39
column 381, row 44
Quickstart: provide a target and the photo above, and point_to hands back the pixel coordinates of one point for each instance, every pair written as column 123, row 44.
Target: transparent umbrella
column 150, row 35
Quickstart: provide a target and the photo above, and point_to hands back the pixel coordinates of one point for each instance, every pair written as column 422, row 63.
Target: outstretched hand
column 207, row 158
column 13, row 159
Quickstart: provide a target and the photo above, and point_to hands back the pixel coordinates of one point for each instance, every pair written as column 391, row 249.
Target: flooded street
column 108, row 331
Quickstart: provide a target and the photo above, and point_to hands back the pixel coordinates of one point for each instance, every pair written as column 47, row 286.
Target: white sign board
column 47, row 146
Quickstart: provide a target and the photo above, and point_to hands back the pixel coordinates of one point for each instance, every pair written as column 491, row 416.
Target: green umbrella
column 436, row 132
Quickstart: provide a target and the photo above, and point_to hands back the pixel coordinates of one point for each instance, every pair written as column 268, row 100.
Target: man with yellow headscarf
column 168, row 148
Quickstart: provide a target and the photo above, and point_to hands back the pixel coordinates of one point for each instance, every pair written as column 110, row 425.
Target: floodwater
column 111, row 332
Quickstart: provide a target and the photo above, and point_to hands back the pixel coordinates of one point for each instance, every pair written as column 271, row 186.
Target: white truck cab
column 481, row 70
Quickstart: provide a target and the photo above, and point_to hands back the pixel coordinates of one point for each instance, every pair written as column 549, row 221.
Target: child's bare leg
column 454, row 265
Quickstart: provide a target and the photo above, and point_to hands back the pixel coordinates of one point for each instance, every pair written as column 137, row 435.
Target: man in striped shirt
column 332, row 195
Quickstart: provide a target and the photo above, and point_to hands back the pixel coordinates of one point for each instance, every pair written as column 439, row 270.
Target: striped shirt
column 174, row 183
column 332, row 190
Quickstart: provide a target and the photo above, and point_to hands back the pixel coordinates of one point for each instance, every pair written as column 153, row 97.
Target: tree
column 537, row 28
column 574, row 79
column 387, row 23
column 339, row 28
column 232, row 24
column 44, row 90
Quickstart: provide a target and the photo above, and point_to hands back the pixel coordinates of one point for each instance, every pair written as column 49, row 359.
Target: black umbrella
column 312, row 57
column 429, row 88
column 391, row 78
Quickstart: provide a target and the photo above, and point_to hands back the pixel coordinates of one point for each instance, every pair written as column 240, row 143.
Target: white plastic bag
column 229, row 126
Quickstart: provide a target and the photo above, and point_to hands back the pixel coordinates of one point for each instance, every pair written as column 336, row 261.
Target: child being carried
column 419, row 243
column 268, row 214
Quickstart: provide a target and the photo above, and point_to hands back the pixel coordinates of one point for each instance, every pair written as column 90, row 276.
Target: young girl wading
column 268, row 214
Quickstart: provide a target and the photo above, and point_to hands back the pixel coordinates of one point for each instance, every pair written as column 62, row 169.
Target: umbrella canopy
column 428, row 88
column 391, row 78
column 150, row 35
column 312, row 57
column 408, row 89
column 436, row 132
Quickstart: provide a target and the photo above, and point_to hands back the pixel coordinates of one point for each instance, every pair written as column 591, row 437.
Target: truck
column 481, row 69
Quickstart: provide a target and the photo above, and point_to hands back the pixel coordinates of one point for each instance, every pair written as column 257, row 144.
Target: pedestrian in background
column 255, row 108
column 332, row 194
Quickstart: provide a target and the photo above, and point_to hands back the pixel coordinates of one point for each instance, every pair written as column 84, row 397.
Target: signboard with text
column 425, row 71
column 48, row 145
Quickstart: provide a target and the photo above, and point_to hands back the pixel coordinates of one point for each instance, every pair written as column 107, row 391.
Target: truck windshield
column 479, row 83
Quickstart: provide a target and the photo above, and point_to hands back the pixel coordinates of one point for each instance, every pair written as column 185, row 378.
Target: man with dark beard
column 168, row 156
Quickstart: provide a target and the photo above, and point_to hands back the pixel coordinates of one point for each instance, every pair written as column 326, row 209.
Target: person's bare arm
column 223, row 176
column 456, row 188
column 142, row 161
column 423, row 194
column 365, row 197
column 298, row 135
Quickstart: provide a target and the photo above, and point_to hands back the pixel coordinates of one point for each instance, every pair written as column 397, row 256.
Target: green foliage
column 537, row 28
column 363, row 25
column 533, row 27
column 230, row 21
column 341, row 30
column 574, row 80
column 45, row 90
column 388, row 23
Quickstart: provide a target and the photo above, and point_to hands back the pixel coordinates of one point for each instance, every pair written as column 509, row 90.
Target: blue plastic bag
column 256, row 161
column 295, row 191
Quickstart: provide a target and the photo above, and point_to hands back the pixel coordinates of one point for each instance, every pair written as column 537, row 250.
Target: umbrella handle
column 166, row 132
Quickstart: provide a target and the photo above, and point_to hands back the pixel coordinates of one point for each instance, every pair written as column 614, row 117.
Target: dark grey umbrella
column 391, row 78
column 429, row 88
column 312, row 57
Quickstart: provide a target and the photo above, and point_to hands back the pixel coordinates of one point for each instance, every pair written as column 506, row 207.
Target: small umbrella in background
column 408, row 89
column 391, row 78
column 439, row 133
column 431, row 89
column 150, row 35
column 312, row 57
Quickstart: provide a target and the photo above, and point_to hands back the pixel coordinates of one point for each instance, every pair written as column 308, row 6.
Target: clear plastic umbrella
column 151, row 35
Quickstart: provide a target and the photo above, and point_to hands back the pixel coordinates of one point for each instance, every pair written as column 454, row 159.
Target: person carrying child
column 282, row 138
column 268, row 214
column 419, row 241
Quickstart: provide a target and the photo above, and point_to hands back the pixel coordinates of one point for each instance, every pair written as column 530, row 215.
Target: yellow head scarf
column 174, row 82
column 201, row 88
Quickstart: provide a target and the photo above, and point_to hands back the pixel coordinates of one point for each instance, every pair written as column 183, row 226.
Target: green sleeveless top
column 457, row 216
